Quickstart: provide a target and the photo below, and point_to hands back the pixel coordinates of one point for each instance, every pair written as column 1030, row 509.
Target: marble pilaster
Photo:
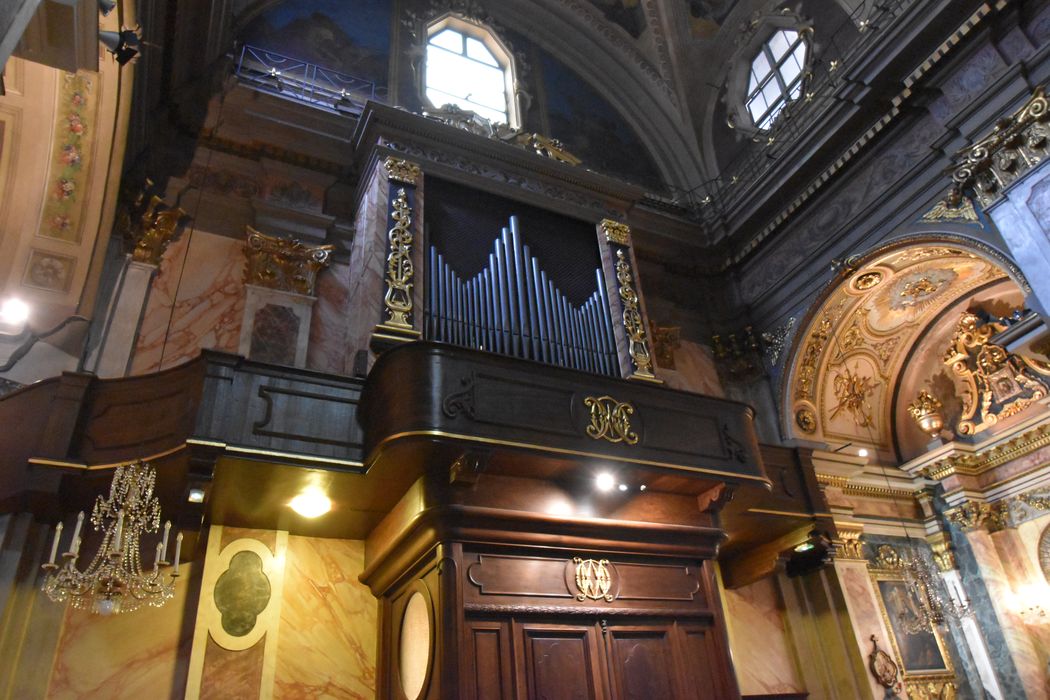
column 124, row 317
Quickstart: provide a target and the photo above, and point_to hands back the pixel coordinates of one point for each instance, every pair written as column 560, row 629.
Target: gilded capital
column 615, row 232
column 848, row 546
column 400, row 170
column 152, row 230
column 943, row 552
column 973, row 515
column 284, row 264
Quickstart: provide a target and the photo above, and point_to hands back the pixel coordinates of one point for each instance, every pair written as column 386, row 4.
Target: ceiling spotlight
column 123, row 44
column 604, row 482
column 623, row 487
column 106, row 6
column 862, row 452
column 311, row 503
column 195, row 496
column 804, row 547
column 642, row 487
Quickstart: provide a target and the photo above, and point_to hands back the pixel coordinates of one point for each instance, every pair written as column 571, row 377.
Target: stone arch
column 841, row 382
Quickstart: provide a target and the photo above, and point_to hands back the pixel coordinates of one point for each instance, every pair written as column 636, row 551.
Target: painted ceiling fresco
column 324, row 33
column 848, row 360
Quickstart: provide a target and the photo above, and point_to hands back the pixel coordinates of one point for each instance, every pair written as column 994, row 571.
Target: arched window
column 776, row 76
column 466, row 65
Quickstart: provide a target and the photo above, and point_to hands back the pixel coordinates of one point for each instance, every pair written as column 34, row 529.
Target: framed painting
column 924, row 660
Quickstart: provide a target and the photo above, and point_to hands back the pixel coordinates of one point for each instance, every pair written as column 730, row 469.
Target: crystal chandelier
column 114, row 581
column 933, row 604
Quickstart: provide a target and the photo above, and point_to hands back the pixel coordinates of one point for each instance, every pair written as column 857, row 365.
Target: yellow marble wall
column 143, row 654
column 327, row 644
column 762, row 651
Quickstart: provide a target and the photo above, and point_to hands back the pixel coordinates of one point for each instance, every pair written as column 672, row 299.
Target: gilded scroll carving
column 399, row 269
column 401, row 170
column 638, row 341
column 281, row 263
column 998, row 384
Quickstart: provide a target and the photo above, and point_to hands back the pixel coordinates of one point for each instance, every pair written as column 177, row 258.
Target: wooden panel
column 421, row 390
column 490, row 660
column 562, row 662
column 657, row 582
column 519, row 576
column 705, row 672
column 642, row 663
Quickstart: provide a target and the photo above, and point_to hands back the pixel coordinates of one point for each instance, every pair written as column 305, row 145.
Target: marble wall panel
column 196, row 303
column 762, row 651
column 364, row 297
column 863, row 606
column 1018, row 644
column 141, row 654
column 327, row 351
column 1019, row 550
column 327, row 644
column 694, row 370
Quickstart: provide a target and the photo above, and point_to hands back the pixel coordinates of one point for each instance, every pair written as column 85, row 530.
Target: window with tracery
column 776, row 76
column 467, row 66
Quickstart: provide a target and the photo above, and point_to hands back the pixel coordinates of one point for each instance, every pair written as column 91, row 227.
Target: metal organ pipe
column 512, row 307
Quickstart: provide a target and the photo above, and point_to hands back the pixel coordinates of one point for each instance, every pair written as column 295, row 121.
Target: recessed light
column 14, row 311
column 195, row 496
column 604, row 481
column 623, row 487
column 642, row 487
column 862, row 452
column 311, row 503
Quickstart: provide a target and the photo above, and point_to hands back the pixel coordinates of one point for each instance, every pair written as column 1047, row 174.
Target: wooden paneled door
column 592, row 659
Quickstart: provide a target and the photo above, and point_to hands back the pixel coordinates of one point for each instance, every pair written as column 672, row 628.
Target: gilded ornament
column 941, row 211
column 1036, row 500
column 807, row 369
column 593, row 579
column 665, row 342
column 882, row 666
column 973, row 515
column 281, row 263
column 806, row 420
column 852, row 392
column 943, row 552
column 930, row 690
column 401, row 170
column 975, row 464
column 998, row 383
column 775, row 339
column 926, row 410
column 399, row 269
column 638, row 342
column 615, row 232
column 848, row 546
column 1017, row 144
column 546, row 146
column 610, row 420
column 867, row 280
column 887, row 558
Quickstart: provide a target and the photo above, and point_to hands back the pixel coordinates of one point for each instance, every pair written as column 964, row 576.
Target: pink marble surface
column 364, row 299
column 328, row 350
column 195, row 305
column 1018, row 640
column 694, row 370
column 141, row 654
column 863, row 606
column 327, row 644
column 762, row 652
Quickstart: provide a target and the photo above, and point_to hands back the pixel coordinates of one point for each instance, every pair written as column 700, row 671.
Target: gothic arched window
column 776, row 76
column 467, row 66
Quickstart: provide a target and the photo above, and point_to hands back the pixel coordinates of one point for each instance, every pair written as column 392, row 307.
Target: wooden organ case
column 559, row 537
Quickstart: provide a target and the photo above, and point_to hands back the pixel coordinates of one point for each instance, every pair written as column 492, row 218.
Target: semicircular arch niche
column 884, row 322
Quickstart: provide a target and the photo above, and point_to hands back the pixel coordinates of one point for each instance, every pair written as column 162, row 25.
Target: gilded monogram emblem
column 593, row 579
column 610, row 420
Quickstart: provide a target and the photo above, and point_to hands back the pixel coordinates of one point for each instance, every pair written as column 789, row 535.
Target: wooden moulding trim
column 590, row 611
column 376, row 452
column 479, row 525
column 81, row 466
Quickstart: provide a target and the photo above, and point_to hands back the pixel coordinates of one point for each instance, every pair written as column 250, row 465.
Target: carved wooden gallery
column 529, row 349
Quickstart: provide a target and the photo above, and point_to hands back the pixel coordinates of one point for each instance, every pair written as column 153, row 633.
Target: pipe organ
column 512, row 307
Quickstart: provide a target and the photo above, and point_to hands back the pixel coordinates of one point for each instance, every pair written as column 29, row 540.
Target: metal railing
column 273, row 72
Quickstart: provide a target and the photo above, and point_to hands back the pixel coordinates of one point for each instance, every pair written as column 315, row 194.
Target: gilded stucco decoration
column 854, row 347
column 282, row 263
column 148, row 225
column 998, row 383
column 1017, row 144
